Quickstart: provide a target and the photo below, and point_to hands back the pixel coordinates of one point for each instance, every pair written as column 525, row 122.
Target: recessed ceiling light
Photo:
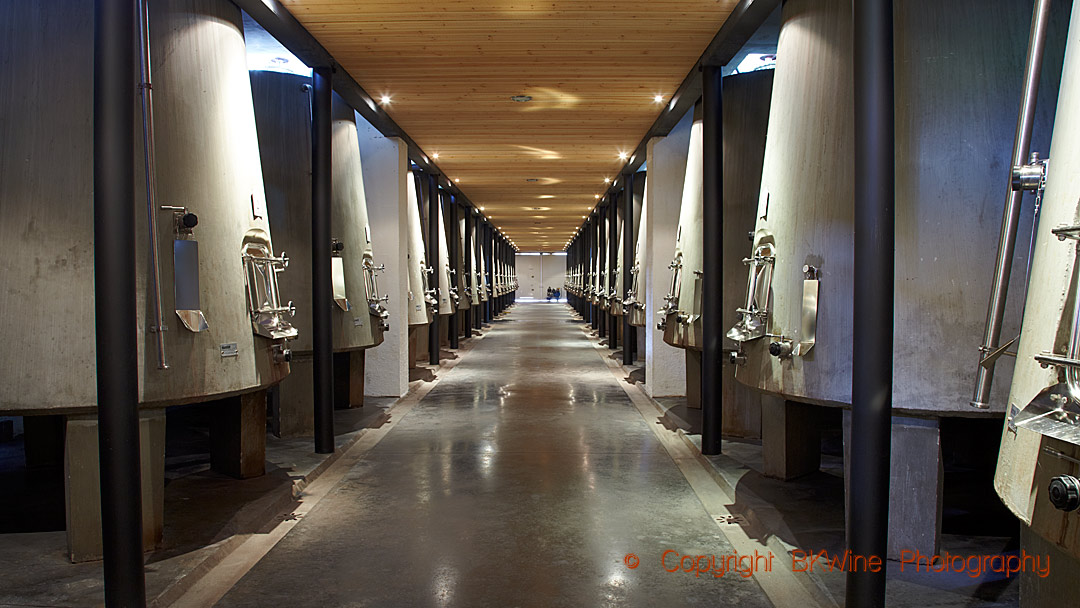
column 607, row 180
column 457, row 180
column 481, row 208
column 521, row 98
column 532, row 179
column 658, row 99
column 435, row 156
column 596, row 196
column 546, row 196
column 623, row 155
column 385, row 100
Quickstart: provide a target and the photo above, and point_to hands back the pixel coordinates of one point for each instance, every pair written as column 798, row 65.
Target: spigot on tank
column 1064, row 492
column 781, row 348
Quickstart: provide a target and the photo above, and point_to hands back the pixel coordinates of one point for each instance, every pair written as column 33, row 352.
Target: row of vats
column 961, row 69
column 225, row 258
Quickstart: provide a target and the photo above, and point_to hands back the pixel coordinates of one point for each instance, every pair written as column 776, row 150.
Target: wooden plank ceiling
column 450, row 67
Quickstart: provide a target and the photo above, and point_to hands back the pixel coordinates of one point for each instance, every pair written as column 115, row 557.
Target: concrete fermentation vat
column 216, row 263
column 283, row 115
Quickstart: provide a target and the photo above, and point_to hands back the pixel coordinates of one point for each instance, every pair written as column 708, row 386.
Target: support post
column 114, row 308
column 629, row 230
column 321, row 282
column 613, row 267
column 872, row 340
column 452, row 240
column 712, row 267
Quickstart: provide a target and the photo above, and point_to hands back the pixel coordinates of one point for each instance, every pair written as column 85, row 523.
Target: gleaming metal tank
column 422, row 304
column 1037, row 446
column 448, row 293
column 959, row 68
column 681, row 315
column 283, row 115
column 207, row 161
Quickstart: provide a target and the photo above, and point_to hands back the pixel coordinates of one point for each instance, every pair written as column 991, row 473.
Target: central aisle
column 522, row 479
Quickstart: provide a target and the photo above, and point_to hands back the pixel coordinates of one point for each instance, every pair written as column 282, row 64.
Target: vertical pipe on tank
column 1010, row 220
column 627, row 263
column 712, row 267
column 150, row 169
column 321, row 280
column 114, row 303
column 872, row 312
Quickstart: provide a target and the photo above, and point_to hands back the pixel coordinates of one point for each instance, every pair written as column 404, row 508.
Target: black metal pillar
column 872, row 340
column 114, row 302
column 712, row 267
column 601, row 266
column 629, row 232
column 613, row 269
column 322, row 289
column 455, row 271
column 433, row 259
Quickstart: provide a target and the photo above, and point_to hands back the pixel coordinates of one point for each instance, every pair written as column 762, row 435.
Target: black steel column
column 114, row 302
column 872, row 340
column 601, row 266
column 434, row 262
column 629, row 232
column 455, row 281
column 613, row 269
column 322, row 289
column 712, row 276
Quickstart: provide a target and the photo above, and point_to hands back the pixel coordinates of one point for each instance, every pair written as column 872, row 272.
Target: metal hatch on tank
column 283, row 116
column 206, row 175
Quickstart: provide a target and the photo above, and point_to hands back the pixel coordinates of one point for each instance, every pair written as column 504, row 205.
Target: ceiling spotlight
column 385, row 100
column 607, row 180
column 658, row 99
column 623, row 155
column 596, row 196
column 457, row 180
column 521, row 98
column 583, row 217
column 532, row 179
column 435, row 156
column 481, row 208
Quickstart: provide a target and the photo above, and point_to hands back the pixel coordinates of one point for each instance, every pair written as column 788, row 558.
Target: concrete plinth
column 915, row 482
column 238, row 435
column 693, row 379
column 296, row 399
column 790, row 438
column 82, row 483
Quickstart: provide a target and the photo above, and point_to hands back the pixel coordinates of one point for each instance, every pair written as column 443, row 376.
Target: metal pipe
column 1010, row 220
column 433, row 254
column 115, row 310
column 627, row 263
column 873, row 280
column 712, row 267
column 322, row 288
column 157, row 327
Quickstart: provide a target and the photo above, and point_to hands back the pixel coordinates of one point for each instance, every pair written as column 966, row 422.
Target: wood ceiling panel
column 451, row 66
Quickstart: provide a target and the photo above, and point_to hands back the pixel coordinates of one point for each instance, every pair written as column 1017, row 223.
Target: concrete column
column 386, row 169
column 665, row 373
column 82, row 494
column 916, row 477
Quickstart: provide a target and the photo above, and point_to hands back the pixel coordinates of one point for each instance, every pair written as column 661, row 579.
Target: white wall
column 538, row 272
column 386, row 169
column 665, row 366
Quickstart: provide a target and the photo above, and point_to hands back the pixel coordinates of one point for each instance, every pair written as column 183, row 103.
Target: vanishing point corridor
column 523, row 478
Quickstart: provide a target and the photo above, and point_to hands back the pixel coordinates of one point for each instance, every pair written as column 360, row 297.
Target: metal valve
column 736, row 357
column 1032, row 176
column 282, row 354
column 1065, row 492
column 781, row 349
column 337, row 247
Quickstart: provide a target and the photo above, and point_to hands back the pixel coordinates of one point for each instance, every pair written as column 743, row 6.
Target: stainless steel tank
column 448, row 292
column 681, row 316
column 958, row 69
column 639, row 317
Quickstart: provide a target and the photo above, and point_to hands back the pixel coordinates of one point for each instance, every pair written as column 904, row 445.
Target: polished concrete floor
column 524, row 478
